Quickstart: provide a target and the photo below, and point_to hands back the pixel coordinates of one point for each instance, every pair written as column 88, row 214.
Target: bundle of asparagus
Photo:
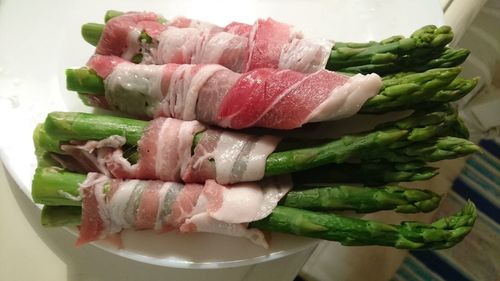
column 421, row 137
column 326, row 174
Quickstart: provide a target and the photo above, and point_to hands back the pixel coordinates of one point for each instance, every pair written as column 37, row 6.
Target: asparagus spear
column 454, row 91
column 364, row 172
column 441, row 234
column 393, row 54
column 448, row 57
column 420, row 43
column 82, row 126
column 397, row 93
column 372, row 173
column 53, row 186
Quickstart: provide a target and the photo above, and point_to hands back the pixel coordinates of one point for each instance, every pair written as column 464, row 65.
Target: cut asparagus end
column 54, row 186
column 111, row 14
column 84, row 80
column 67, row 126
column 91, row 32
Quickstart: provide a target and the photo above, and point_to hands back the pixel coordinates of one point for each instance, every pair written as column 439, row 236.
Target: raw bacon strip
column 238, row 28
column 279, row 99
column 229, row 157
column 92, row 225
column 244, row 202
column 87, row 156
column 305, row 55
column 267, row 39
column 239, row 47
column 164, row 151
column 286, row 99
column 104, row 65
column 183, row 207
column 194, row 45
column 112, row 205
column 121, row 34
column 183, row 22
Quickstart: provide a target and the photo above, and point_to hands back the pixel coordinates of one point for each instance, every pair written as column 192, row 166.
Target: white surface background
column 41, row 38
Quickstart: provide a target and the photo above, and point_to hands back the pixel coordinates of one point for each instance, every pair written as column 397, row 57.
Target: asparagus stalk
column 428, row 151
column 371, row 173
column 397, row 93
column 441, row 234
column 393, row 54
column 364, row 172
column 82, row 126
column 421, row 43
column 447, row 58
column 53, row 186
column 56, row 216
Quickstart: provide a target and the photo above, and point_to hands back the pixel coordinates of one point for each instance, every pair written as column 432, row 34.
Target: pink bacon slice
column 113, row 205
column 165, row 154
column 239, row 47
column 270, row 98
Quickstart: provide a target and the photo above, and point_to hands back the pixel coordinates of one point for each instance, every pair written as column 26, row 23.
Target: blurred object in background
column 481, row 108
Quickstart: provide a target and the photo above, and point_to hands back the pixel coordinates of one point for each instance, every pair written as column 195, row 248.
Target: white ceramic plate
column 39, row 39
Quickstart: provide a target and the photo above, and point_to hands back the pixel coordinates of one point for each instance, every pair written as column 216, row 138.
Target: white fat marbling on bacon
column 112, row 205
column 177, row 45
column 119, row 211
column 226, row 153
column 205, row 223
column 92, row 225
column 164, row 150
column 134, row 44
column 305, row 55
column 87, row 156
column 222, row 48
column 346, row 100
column 183, row 22
column 135, row 89
column 245, row 202
column 167, row 192
column 240, row 47
column 183, row 207
column 229, row 157
column 166, row 160
column 184, row 88
column 120, row 36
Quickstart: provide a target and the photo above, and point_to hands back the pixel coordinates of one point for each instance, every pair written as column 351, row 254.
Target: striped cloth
column 478, row 256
